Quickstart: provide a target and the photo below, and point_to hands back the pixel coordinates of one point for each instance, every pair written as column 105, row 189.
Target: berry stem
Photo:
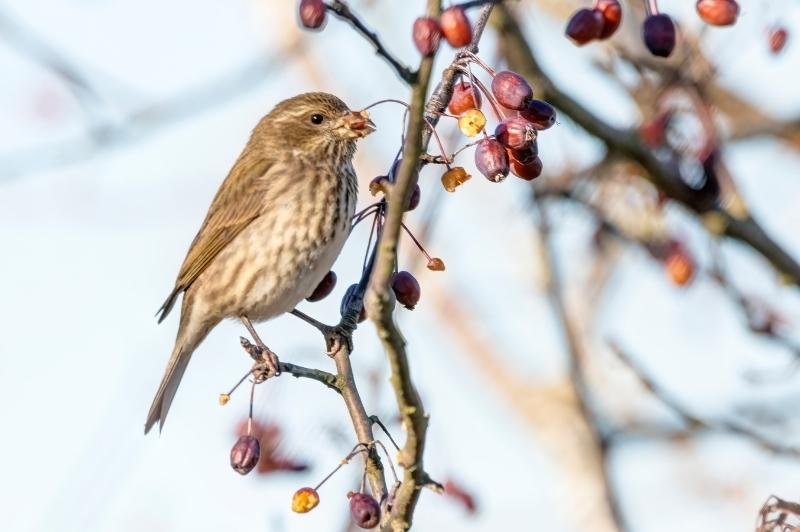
column 358, row 448
column 415, row 240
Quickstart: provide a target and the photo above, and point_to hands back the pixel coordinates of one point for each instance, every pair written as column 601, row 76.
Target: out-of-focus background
column 121, row 118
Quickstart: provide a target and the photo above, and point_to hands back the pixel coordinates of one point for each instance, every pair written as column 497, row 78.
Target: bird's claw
column 336, row 337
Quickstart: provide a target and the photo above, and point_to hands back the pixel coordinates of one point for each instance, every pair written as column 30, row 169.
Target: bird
column 272, row 232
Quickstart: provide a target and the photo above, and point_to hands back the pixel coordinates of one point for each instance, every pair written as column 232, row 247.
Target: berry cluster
column 453, row 24
column 658, row 30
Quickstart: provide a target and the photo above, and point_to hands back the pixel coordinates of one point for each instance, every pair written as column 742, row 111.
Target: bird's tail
column 190, row 334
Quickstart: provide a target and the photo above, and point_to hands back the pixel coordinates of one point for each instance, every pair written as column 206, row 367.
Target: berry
column 324, row 288
column 718, row 12
column 362, row 315
column 472, row 122
column 454, row 177
column 413, row 201
column 659, row 35
column 539, row 113
column 515, row 132
column 529, row 170
column 427, row 35
column 525, row 155
column 245, row 454
column 456, row 27
column 585, row 26
column 680, row 267
column 406, row 289
column 305, row 500
column 612, row 16
column 312, row 13
column 777, row 39
column 365, row 510
column 435, row 264
column 464, row 98
column 511, row 90
column 491, row 160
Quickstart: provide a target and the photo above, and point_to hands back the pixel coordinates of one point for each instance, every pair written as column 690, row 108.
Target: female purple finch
column 273, row 230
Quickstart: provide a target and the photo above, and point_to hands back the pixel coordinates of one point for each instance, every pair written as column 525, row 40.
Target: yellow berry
column 472, row 122
column 454, row 177
column 305, row 500
column 224, row 398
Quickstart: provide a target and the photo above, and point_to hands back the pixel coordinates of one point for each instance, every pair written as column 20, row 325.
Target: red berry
column 406, row 289
column 348, row 295
column 365, row 510
column 680, row 267
column 511, row 89
column 245, row 454
column 456, row 27
column 539, row 113
column 718, row 12
column 427, row 35
column 413, row 201
column 526, row 155
column 435, row 264
column 585, row 26
column 312, row 13
column 464, row 98
column 491, row 160
column 777, row 39
column 659, row 35
column 515, row 132
column 612, row 16
column 324, row 288
column 529, row 170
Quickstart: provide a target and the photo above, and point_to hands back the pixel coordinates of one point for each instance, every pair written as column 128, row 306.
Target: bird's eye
column 317, row 119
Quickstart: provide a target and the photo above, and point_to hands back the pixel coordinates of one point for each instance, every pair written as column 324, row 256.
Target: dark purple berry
column 491, row 160
column 406, row 289
column 324, row 288
column 365, row 510
column 245, row 454
column 348, row 295
column 511, row 90
column 659, row 35
column 585, row 26
column 413, row 201
column 539, row 113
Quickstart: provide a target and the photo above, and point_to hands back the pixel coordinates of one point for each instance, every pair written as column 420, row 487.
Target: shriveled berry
column 413, row 201
column 406, row 289
column 427, row 35
column 365, row 510
column 324, row 288
column 465, row 97
column 454, row 178
column 515, row 132
column 472, row 122
column 491, row 160
column 348, row 295
column 585, row 26
column 312, row 13
column 455, row 26
column 529, row 170
column 539, row 113
column 245, row 454
column 379, row 184
column 659, row 35
column 680, row 267
column 305, row 500
column 777, row 39
column 612, row 16
column 435, row 264
column 511, row 90
column 718, row 12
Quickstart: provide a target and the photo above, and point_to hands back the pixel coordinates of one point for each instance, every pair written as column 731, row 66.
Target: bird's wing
column 238, row 202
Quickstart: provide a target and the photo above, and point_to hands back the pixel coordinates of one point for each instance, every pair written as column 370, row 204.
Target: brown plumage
column 273, row 230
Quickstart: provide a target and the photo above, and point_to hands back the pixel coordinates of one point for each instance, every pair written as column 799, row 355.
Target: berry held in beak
column 355, row 124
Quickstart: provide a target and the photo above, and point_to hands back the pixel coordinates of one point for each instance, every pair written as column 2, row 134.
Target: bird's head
column 316, row 123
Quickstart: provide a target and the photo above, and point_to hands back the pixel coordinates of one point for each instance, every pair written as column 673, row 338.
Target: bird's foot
column 336, row 338
column 267, row 364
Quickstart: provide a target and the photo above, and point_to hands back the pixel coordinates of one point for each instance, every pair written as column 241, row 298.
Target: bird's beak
column 356, row 124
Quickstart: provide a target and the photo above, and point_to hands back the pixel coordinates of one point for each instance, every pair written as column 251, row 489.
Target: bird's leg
column 334, row 336
column 268, row 358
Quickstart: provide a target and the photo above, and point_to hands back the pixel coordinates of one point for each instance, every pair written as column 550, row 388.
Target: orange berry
column 305, row 500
